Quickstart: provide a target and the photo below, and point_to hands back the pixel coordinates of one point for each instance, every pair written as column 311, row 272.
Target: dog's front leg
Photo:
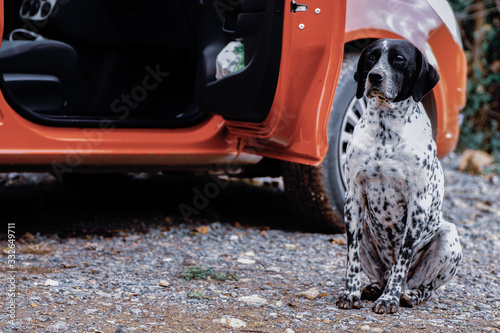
column 388, row 302
column 353, row 213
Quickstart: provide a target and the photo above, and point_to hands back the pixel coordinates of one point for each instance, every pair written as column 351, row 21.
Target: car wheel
column 316, row 194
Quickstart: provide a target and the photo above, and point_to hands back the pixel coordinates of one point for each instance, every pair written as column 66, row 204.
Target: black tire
column 316, row 194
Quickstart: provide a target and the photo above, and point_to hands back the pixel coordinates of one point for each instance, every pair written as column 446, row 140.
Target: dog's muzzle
column 378, row 85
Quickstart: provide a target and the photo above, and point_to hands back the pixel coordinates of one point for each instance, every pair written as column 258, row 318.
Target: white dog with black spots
column 396, row 233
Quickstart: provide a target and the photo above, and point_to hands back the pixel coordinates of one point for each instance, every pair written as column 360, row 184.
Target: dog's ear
column 427, row 77
column 360, row 76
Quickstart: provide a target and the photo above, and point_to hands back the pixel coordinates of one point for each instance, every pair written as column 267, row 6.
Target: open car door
column 278, row 105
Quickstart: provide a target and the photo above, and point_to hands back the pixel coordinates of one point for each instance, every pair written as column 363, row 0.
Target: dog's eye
column 371, row 57
column 399, row 58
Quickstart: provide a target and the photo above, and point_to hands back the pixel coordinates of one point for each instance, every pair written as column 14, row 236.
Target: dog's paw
column 410, row 298
column 349, row 301
column 386, row 304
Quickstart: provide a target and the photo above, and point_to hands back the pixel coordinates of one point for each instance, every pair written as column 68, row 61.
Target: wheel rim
column 352, row 115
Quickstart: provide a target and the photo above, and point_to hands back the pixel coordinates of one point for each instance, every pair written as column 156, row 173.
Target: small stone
column 273, row 315
column 59, row 326
column 278, row 304
column 289, row 330
column 233, row 237
column 246, row 261
column 290, row 246
column 163, row 283
column 273, row 269
column 377, row 330
column 52, row 283
column 311, row 293
column 136, row 311
column 203, row 229
column 370, row 318
column 253, row 300
column 326, row 321
column 365, row 328
column 91, row 311
column 103, row 293
column 232, row 322
column 117, row 309
column 442, row 306
column 43, row 318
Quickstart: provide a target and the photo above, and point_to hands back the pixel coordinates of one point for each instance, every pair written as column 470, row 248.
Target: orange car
column 131, row 85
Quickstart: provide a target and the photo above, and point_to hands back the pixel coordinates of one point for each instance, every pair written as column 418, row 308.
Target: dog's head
column 394, row 70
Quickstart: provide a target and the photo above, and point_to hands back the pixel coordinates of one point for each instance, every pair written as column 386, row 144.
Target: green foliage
column 197, row 294
column 480, row 25
column 199, row 272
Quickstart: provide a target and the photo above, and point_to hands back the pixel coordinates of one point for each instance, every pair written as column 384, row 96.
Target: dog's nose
column 375, row 77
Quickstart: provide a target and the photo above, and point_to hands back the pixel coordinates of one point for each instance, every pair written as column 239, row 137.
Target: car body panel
column 296, row 128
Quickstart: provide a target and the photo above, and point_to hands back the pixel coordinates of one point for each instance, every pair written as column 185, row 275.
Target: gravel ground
column 112, row 254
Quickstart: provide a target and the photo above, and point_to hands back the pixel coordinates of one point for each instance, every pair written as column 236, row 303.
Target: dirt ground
column 110, row 254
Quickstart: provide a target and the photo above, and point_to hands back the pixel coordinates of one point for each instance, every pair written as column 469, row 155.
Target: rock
column 59, row 326
column 273, row 269
column 311, row 293
column 136, row 311
column 91, row 311
column 43, row 318
column 253, row 300
column 442, row 306
column 203, row 229
column 370, row 318
column 246, row 261
column 289, row 330
column 103, row 294
column 52, row 283
column 117, row 309
column 474, row 161
column 231, row 322
column 163, row 283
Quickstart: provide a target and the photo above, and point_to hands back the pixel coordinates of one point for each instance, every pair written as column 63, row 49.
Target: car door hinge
column 296, row 7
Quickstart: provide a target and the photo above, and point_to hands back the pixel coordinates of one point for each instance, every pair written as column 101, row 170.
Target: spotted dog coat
column 396, row 233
